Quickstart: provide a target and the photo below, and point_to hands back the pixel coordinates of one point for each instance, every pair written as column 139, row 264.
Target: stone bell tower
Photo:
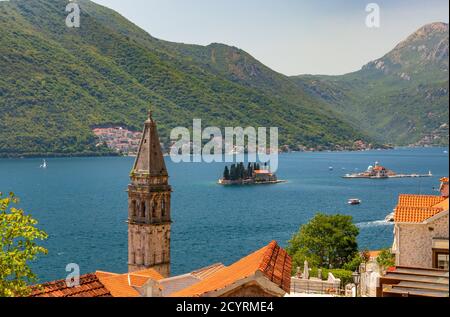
column 149, row 219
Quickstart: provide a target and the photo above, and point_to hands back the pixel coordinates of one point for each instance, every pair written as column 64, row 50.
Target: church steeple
column 149, row 216
column 150, row 158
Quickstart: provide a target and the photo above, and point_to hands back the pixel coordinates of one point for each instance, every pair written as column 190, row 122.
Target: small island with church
column 237, row 174
column 380, row 172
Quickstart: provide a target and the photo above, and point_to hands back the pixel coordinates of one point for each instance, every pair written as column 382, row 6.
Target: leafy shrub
column 386, row 259
column 344, row 275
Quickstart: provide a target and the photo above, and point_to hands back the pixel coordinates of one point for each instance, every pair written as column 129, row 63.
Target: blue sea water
column 82, row 204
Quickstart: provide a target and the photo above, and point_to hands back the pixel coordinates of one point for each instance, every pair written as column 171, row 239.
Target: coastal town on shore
column 126, row 142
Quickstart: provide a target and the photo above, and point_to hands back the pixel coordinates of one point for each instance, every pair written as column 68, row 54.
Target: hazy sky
column 290, row 36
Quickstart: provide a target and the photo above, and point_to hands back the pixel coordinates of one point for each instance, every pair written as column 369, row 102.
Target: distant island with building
column 380, row 172
column 237, row 174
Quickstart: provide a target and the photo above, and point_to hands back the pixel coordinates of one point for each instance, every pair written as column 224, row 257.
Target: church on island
column 263, row 273
column 252, row 175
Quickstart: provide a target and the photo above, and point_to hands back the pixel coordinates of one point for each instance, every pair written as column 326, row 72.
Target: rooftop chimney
column 444, row 187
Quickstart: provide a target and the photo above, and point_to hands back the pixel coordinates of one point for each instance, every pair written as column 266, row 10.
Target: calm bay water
column 82, row 204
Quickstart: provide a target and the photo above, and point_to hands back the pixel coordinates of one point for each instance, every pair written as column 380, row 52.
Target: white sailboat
column 44, row 164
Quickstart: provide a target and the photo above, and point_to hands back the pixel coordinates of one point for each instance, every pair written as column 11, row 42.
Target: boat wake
column 377, row 223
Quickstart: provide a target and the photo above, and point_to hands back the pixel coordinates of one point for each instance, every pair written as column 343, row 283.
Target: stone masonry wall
column 416, row 242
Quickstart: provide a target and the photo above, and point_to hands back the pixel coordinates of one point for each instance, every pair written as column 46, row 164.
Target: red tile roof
column 90, row 286
column 207, row 271
column 263, row 172
column 277, row 265
column 418, row 208
column 415, row 214
column 419, row 200
column 100, row 284
column 125, row 285
column 120, row 286
column 374, row 254
column 272, row 261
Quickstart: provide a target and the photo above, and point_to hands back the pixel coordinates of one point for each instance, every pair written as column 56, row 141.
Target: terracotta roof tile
column 90, row 286
column 119, row 286
column 100, row 284
column 272, row 261
column 177, row 283
column 101, row 274
column 149, row 273
column 125, row 285
column 443, row 205
column 418, row 208
column 207, row 271
column 415, row 214
column 374, row 254
column 419, row 200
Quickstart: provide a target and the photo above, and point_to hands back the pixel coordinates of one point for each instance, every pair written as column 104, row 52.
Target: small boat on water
column 354, row 201
column 44, row 164
column 390, row 217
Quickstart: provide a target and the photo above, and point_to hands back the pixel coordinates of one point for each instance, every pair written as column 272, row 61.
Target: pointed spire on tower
column 150, row 115
column 150, row 159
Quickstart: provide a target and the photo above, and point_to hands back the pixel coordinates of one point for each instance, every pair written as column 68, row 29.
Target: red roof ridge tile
column 90, row 286
column 271, row 261
column 274, row 264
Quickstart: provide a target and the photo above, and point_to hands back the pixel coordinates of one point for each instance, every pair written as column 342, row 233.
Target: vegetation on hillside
column 401, row 98
column 57, row 83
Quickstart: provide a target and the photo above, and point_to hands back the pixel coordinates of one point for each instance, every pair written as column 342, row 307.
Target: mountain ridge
column 400, row 98
column 61, row 82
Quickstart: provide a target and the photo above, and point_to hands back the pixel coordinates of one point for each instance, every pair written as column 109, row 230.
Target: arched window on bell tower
column 133, row 208
column 155, row 206
column 163, row 207
column 143, row 209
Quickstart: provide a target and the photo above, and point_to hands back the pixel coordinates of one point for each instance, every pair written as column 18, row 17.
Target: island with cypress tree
column 237, row 174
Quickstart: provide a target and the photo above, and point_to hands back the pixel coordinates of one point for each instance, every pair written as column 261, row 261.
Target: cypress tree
column 249, row 170
column 241, row 170
column 233, row 172
column 226, row 174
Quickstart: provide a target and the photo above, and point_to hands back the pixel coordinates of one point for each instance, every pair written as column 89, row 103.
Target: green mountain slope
column 401, row 98
column 57, row 83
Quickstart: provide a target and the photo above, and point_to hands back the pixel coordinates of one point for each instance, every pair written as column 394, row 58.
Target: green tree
column 354, row 264
column 241, row 170
column 233, row 174
column 327, row 241
column 386, row 259
column 18, row 233
column 226, row 174
column 249, row 170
